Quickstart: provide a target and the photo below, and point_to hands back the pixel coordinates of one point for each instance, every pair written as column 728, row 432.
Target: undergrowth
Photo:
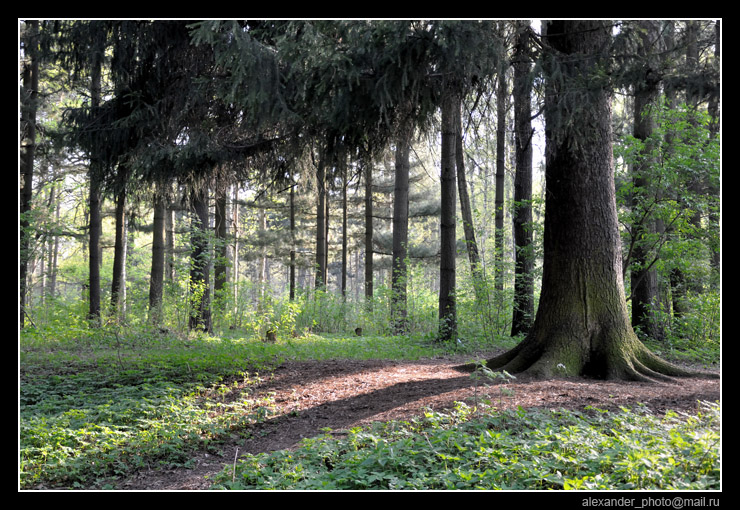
column 112, row 402
column 99, row 405
column 514, row 450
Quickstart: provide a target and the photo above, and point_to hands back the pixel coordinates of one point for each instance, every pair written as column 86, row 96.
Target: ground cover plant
column 517, row 450
column 100, row 410
column 109, row 405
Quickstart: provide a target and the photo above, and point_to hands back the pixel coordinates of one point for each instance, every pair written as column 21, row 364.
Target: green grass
column 99, row 405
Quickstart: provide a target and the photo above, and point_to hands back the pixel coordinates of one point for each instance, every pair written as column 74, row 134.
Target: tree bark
column 582, row 325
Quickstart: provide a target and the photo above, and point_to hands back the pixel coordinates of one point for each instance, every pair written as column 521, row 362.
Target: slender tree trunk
column 693, row 98
column 95, row 198
column 220, row 269
column 156, row 274
column 523, row 313
column 263, row 270
column 467, row 213
column 582, row 325
column 368, row 232
column 169, row 241
column 292, row 243
column 400, row 234
column 28, row 154
column 448, row 251
column 644, row 280
column 54, row 255
column 235, row 252
column 321, row 233
column 501, row 96
column 714, row 215
column 344, row 228
column 119, row 257
column 200, row 313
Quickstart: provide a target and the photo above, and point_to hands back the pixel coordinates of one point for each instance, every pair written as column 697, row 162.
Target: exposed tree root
column 630, row 361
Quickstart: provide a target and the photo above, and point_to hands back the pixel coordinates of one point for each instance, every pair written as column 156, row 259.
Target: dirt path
column 311, row 396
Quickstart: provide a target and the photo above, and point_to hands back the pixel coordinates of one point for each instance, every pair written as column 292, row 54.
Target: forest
column 369, row 254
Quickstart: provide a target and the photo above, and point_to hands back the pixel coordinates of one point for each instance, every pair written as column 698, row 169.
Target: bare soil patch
column 314, row 395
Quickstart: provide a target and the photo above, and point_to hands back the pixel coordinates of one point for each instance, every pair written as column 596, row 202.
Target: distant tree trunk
column 448, row 249
column 582, row 325
column 263, row 270
column 169, row 241
column 343, row 171
column 693, row 99
column 29, row 107
column 235, row 252
column 714, row 216
column 119, row 257
column 54, row 250
column 220, row 268
column 321, row 233
column 644, row 279
column 400, row 233
column 523, row 313
column 95, row 198
column 292, row 243
column 368, row 232
column 200, row 313
column 467, row 213
column 156, row 274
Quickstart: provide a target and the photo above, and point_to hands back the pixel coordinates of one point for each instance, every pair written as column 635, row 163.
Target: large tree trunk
column 448, row 249
column 582, row 325
column 400, row 234
column 523, row 313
